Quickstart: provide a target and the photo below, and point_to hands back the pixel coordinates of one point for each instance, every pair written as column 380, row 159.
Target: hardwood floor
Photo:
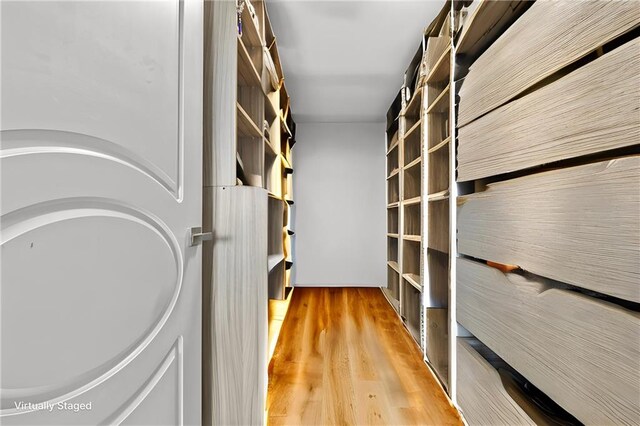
column 344, row 358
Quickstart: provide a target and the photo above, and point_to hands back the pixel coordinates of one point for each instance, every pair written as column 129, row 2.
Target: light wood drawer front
column 590, row 110
column 583, row 353
column 481, row 395
column 546, row 38
column 579, row 225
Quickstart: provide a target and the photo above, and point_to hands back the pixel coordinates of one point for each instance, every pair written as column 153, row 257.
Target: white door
column 100, row 180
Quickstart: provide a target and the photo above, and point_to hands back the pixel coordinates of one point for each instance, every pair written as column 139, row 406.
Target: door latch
column 197, row 236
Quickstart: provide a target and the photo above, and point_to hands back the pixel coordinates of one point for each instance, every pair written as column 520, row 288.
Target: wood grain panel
column 582, row 352
column 578, row 225
column 438, row 279
column 412, row 219
column 235, row 305
column 593, row 109
column 343, row 357
column 412, row 183
column 437, row 325
column 438, row 58
column 220, row 79
column 411, row 256
column 546, row 38
column 411, row 308
column 481, row 394
column 439, row 225
column 485, row 22
column 438, row 170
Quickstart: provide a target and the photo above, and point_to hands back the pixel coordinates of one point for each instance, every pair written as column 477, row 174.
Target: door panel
column 105, row 71
column 100, row 180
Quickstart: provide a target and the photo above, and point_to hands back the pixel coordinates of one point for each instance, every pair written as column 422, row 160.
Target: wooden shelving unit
column 394, row 208
column 405, row 155
column 265, row 136
column 419, row 286
column 249, row 135
column 440, row 184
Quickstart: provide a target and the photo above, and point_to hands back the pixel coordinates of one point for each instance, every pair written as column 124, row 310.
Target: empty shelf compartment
column 437, row 293
column 412, row 146
column 276, row 225
column 438, row 99
column 413, row 219
column 393, row 189
column 249, row 159
column 412, row 112
column 250, row 111
column 438, row 171
column 411, row 257
column 439, row 225
column 437, row 350
column 412, row 183
column 272, row 173
column 438, row 130
column 392, row 249
column 276, row 282
column 392, row 162
column 392, row 220
column 392, row 136
column 393, row 283
column 411, row 307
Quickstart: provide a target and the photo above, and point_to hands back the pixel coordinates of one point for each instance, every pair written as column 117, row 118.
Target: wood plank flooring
column 344, row 358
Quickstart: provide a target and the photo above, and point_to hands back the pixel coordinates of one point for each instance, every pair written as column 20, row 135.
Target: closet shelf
column 441, row 103
column 393, row 205
column 414, row 280
column 411, row 201
column 284, row 98
column 394, row 266
column 273, row 50
column 270, row 150
column 440, row 71
column 393, row 173
column 269, row 110
column 438, row 196
column 241, row 175
column 249, row 31
column 439, row 145
column 274, row 260
column 239, row 162
column 415, row 238
column 247, row 73
column 284, row 126
column 394, row 146
column 413, row 128
column 246, row 126
column 412, row 103
column 415, row 162
column 285, row 162
column 438, row 250
column 392, row 235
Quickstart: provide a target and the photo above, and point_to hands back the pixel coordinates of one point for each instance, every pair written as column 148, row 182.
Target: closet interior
column 512, row 192
column 513, row 183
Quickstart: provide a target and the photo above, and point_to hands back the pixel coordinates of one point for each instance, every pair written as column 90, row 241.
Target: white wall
column 339, row 191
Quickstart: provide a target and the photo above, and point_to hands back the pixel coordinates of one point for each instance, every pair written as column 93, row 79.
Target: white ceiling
column 344, row 60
